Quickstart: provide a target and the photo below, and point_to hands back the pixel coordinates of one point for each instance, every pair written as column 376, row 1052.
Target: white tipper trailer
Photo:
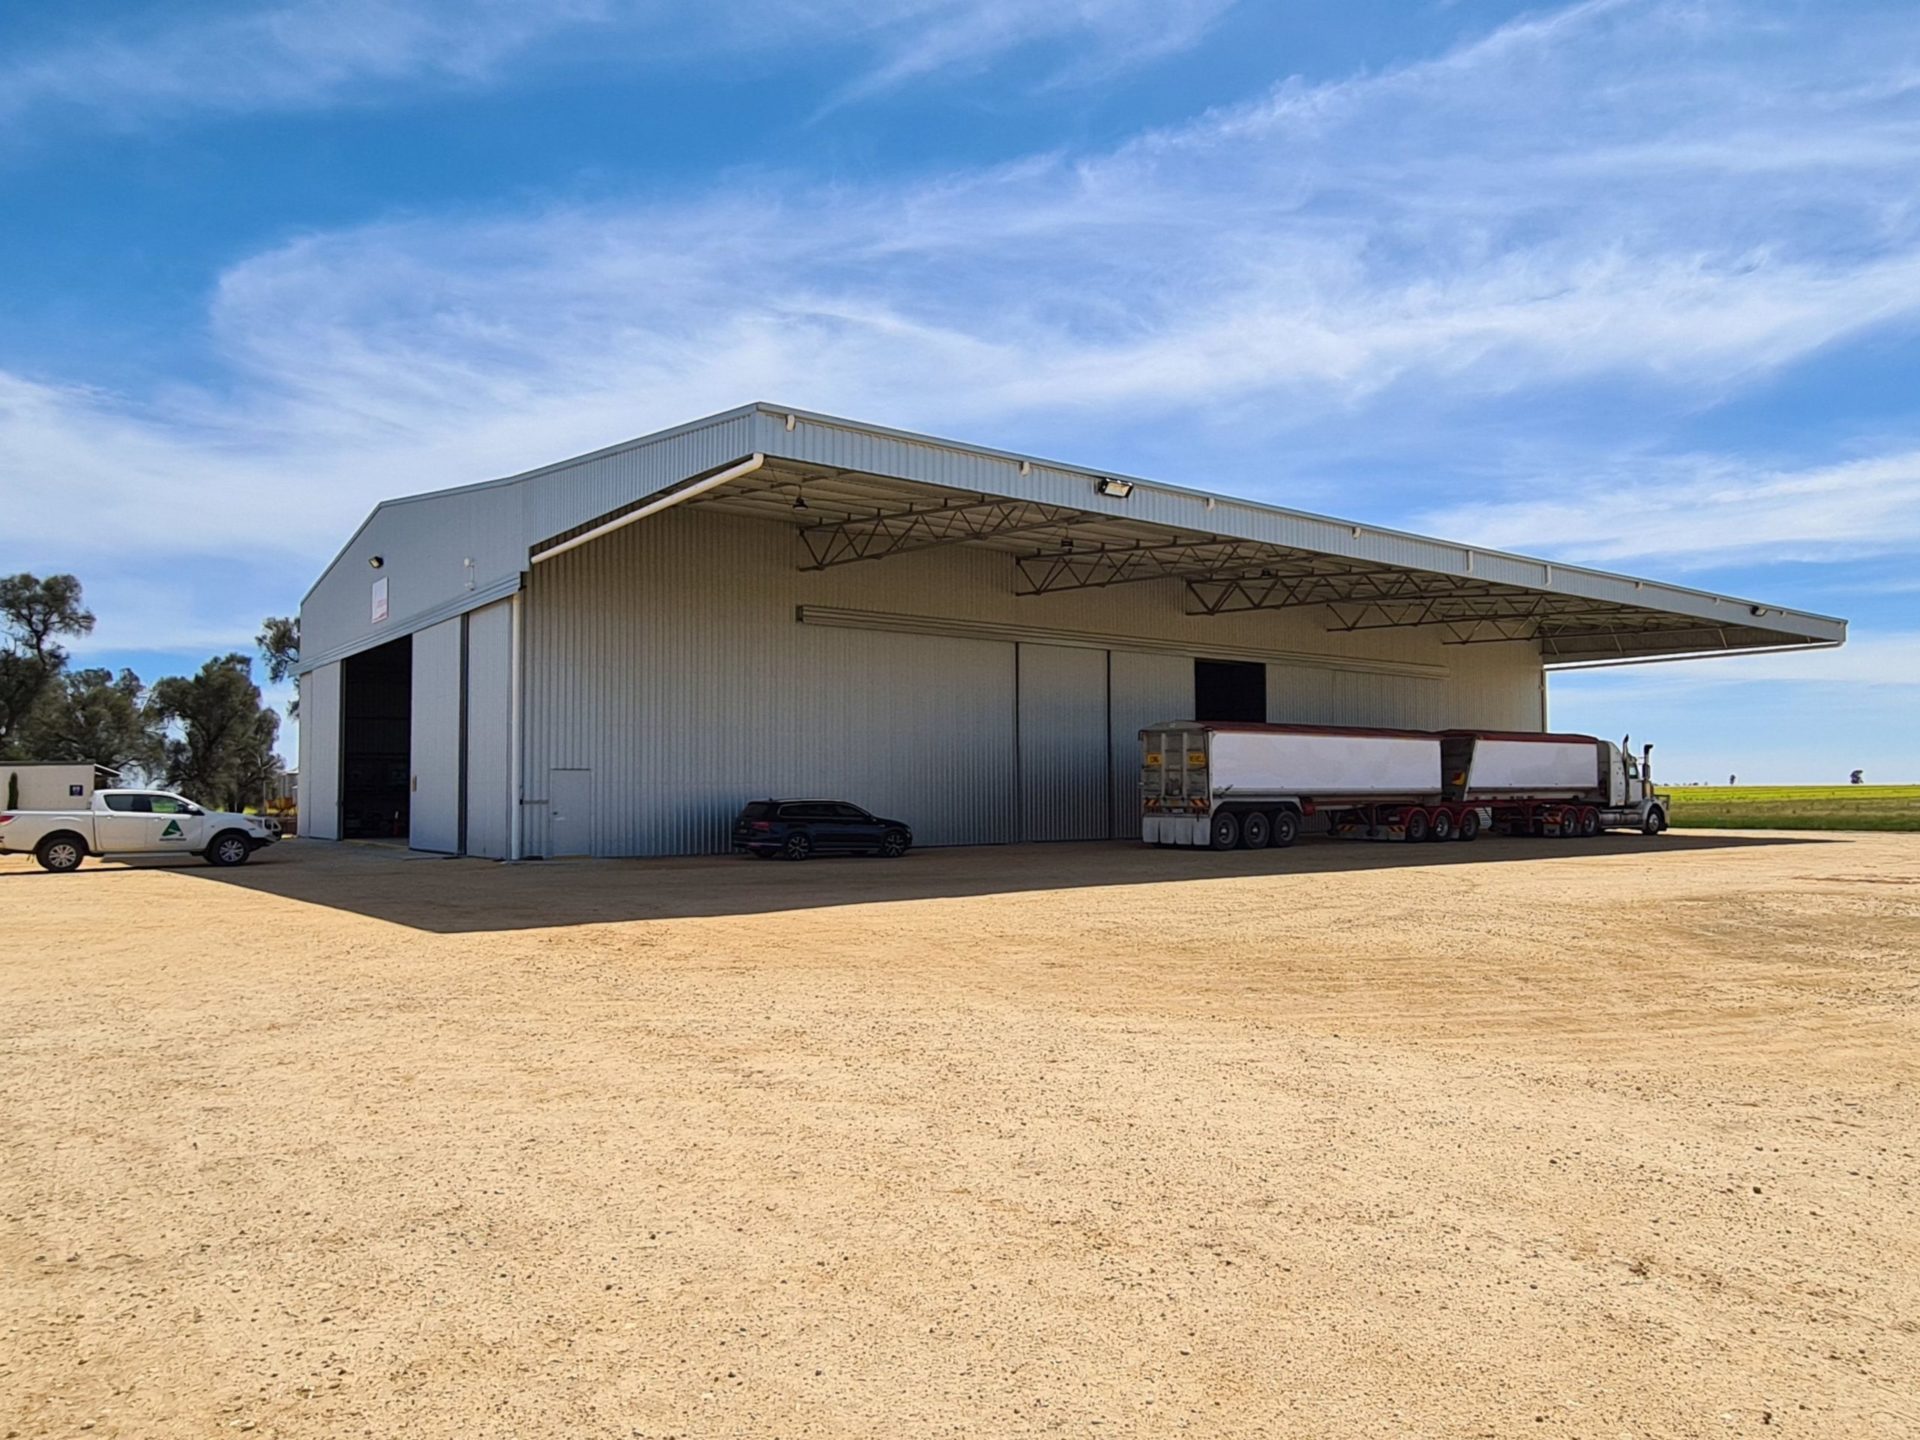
column 1225, row 785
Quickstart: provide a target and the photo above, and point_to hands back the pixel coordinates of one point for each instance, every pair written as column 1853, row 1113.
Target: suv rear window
column 758, row 810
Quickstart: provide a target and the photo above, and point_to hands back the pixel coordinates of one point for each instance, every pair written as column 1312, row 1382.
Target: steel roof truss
column 926, row 527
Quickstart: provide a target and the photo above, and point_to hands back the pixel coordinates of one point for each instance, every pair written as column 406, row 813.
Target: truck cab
column 1629, row 777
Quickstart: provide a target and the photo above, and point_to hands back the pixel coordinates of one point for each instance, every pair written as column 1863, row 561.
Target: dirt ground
column 1597, row 1138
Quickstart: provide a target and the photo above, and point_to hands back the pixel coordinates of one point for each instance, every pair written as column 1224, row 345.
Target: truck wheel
column 1589, row 823
column 1255, row 831
column 60, row 853
column 229, row 848
column 1224, row 833
column 1469, row 825
column 1655, row 822
column 1416, row 825
column 1285, row 829
column 1440, row 826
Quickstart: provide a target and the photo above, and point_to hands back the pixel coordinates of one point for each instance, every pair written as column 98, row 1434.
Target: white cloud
column 302, row 54
column 1710, row 511
column 1557, row 203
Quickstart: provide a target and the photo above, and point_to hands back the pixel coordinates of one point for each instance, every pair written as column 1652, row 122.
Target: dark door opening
column 1230, row 690
column 376, row 741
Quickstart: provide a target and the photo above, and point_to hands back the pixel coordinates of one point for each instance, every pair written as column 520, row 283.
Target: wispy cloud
column 303, row 54
column 1556, row 203
column 1710, row 510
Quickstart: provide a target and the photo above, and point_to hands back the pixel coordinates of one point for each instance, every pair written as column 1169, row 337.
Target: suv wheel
column 798, row 847
column 893, row 844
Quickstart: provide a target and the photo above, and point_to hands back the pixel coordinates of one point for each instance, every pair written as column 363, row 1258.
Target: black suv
column 801, row 828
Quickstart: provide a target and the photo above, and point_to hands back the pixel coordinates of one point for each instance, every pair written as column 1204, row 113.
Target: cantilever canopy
column 858, row 494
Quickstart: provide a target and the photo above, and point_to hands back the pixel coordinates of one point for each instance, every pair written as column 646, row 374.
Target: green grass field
column 1796, row 807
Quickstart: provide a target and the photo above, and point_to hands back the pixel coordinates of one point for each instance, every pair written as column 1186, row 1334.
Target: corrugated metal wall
column 1064, row 769
column 433, row 808
column 320, row 753
column 1146, row 689
column 666, row 660
column 489, row 729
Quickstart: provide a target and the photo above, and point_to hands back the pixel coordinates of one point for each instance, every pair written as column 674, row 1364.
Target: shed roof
column 861, row 494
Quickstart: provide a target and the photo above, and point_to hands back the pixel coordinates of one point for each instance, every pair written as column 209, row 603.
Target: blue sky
column 1633, row 283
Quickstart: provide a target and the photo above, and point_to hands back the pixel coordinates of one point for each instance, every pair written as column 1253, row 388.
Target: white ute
column 133, row 822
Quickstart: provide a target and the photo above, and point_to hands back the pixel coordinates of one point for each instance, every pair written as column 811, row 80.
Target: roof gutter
column 1625, row 660
column 654, row 507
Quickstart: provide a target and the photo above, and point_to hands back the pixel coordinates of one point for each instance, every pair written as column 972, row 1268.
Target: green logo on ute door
column 172, row 830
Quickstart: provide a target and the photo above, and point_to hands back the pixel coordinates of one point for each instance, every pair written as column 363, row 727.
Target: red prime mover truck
column 1224, row 785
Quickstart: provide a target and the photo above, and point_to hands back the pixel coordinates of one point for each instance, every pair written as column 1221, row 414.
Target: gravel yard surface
column 1591, row 1138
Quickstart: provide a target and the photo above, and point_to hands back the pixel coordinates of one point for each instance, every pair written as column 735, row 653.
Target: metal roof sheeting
column 858, row 493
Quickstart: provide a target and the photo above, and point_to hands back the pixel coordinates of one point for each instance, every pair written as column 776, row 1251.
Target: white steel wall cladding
column 666, row 659
column 1064, row 771
column 489, row 729
column 433, row 808
column 424, row 543
column 1146, row 689
column 320, row 753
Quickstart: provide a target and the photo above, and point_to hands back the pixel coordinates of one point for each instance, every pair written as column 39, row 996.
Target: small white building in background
column 609, row 655
column 55, row 786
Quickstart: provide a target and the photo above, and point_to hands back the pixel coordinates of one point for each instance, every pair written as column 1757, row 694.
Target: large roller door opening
column 1230, row 690
column 376, row 723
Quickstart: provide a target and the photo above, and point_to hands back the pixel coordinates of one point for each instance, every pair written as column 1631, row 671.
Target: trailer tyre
column 1440, row 825
column 1416, row 825
column 60, row 853
column 1255, row 830
column 1224, row 833
column 1285, row 829
column 1469, row 825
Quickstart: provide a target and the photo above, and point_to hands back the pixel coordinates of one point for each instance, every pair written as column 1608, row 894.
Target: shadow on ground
column 451, row 896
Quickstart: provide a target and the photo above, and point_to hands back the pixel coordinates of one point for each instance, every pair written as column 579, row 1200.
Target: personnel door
column 569, row 812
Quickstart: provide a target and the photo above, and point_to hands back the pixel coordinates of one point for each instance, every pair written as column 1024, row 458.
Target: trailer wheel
column 1255, row 830
column 1225, row 831
column 1469, row 828
column 1440, row 825
column 1286, row 829
column 1416, row 825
